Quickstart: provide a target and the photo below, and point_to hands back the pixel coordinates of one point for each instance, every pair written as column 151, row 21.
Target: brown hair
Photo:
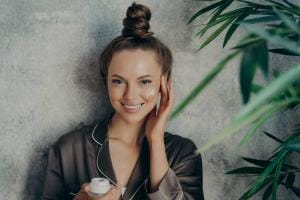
column 135, row 35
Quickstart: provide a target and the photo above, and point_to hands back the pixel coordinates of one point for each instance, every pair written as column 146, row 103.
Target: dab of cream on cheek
column 150, row 94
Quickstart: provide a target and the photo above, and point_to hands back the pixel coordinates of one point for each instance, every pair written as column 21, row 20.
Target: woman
column 130, row 148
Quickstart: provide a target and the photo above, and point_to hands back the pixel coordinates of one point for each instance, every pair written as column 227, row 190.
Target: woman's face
column 133, row 83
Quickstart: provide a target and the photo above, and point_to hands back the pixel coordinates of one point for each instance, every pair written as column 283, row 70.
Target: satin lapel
column 104, row 163
column 99, row 133
column 140, row 172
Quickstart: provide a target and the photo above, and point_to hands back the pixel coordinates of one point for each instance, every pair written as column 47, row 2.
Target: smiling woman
column 130, row 148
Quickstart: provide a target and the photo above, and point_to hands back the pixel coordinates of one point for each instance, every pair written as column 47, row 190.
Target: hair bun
column 136, row 23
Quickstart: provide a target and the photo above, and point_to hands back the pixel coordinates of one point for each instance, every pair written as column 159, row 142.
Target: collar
column 99, row 133
column 140, row 171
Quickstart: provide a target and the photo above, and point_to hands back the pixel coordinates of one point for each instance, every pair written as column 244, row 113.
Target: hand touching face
column 157, row 119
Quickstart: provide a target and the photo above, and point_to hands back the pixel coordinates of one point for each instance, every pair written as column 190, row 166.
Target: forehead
column 134, row 63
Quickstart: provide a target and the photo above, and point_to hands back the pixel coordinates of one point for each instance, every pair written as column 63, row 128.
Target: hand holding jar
column 98, row 189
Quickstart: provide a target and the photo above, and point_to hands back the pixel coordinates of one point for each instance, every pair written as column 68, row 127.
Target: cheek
column 114, row 93
column 151, row 94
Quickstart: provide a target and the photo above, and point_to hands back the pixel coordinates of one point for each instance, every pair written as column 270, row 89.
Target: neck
column 133, row 134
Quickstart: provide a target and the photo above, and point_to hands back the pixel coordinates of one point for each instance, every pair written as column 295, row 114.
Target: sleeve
column 183, row 180
column 54, row 183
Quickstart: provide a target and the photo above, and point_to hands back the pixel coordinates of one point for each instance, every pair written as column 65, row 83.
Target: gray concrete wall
column 49, row 84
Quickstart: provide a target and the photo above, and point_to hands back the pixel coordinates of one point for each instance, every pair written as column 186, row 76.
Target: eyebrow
column 141, row 77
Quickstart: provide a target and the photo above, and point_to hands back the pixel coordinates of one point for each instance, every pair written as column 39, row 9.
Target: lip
column 132, row 108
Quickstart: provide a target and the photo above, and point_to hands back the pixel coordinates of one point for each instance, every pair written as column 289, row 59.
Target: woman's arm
column 53, row 185
column 155, row 128
column 158, row 163
column 183, row 180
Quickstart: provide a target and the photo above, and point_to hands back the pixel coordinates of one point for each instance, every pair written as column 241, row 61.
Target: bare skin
column 135, row 78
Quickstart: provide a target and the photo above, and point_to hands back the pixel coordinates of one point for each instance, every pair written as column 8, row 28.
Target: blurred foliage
column 272, row 26
column 273, row 172
column 273, row 23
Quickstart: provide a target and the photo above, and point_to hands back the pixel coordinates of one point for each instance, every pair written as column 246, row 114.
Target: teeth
column 132, row 107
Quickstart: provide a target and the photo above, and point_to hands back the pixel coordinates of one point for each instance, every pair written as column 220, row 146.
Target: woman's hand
column 113, row 194
column 157, row 122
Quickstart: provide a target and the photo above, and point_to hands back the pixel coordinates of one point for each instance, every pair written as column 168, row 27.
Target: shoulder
column 179, row 144
column 75, row 137
column 177, row 140
column 181, row 150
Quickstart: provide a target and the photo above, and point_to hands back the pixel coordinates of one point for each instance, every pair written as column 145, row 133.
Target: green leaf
column 291, row 4
column 277, row 174
column 296, row 191
column 256, row 88
column 238, row 123
column 256, row 5
column 274, row 88
column 273, row 137
column 293, row 143
column 268, row 192
column 275, row 39
column 265, row 183
column 247, row 41
column 259, row 123
column 260, row 20
column 287, row 21
column 247, row 72
column 216, row 33
column 237, row 12
column 276, row 73
column 246, row 170
column 261, row 163
column 262, row 56
column 233, row 28
column 216, row 15
column 290, row 179
column 206, row 9
column 294, row 138
column 234, row 127
column 294, row 147
column 265, row 163
column 285, row 8
column 254, row 56
column 201, row 85
column 261, row 181
column 283, row 52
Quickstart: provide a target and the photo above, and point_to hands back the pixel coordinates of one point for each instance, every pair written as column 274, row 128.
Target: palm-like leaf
column 272, row 22
column 282, row 18
column 272, row 173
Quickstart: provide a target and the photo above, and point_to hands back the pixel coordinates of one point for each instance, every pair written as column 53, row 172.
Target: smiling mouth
column 132, row 108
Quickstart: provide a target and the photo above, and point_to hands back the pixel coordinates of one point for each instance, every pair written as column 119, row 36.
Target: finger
column 85, row 187
column 152, row 112
column 109, row 195
column 164, row 91
column 117, row 192
column 171, row 99
column 81, row 195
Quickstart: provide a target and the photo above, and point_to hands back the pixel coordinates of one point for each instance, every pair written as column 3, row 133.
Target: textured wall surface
column 49, row 84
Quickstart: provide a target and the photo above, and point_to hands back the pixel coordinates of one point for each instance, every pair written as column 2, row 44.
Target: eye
column 146, row 81
column 117, row 81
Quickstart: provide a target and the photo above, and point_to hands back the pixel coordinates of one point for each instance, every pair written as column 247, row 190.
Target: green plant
column 274, row 171
column 272, row 27
column 275, row 23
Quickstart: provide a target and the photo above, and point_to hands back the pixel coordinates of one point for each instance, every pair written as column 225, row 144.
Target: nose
column 131, row 92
